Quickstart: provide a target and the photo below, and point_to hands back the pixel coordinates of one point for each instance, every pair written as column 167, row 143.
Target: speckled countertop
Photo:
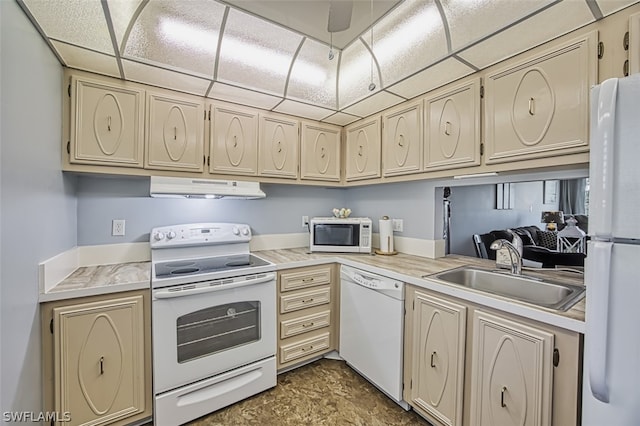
column 105, row 279
column 101, row 279
column 413, row 269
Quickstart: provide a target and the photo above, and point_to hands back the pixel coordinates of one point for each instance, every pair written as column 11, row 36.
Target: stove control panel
column 199, row 234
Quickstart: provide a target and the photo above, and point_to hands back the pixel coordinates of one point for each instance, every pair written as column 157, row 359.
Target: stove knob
column 245, row 231
column 158, row 236
column 235, row 230
column 171, row 235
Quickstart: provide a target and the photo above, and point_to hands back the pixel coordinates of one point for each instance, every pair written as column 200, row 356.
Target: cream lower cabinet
column 437, row 378
column 306, row 314
column 96, row 359
column 465, row 364
column 512, row 373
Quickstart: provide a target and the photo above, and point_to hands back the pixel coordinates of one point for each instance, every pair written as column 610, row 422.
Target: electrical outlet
column 305, row 221
column 117, row 227
column 397, row 224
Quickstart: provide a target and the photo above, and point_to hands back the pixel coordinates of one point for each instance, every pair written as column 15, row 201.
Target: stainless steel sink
column 537, row 291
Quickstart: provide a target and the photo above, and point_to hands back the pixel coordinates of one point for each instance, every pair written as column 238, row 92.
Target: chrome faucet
column 514, row 251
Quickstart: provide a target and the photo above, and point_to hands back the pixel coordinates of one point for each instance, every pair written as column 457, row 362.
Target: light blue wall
column 37, row 208
column 100, row 200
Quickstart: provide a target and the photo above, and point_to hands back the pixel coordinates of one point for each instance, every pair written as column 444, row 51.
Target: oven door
column 203, row 329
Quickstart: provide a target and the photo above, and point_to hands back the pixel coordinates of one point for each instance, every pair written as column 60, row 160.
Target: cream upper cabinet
column 452, row 127
column 278, row 146
column 99, row 360
column 107, row 122
column 402, row 139
column 175, row 132
column 512, row 373
column 320, row 156
column 234, row 141
column 437, row 372
column 540, row 107
column 363, row 149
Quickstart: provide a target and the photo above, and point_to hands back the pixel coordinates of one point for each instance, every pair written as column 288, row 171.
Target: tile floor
column 325, row 392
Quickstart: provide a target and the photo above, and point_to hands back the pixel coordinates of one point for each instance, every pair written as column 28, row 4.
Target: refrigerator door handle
column 598, row 287
column 603, row 113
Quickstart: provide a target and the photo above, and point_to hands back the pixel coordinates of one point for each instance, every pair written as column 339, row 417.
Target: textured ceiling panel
column 431, row 78
column 256, row 54
column 609, row 6
column 122, row 12
column 78, row 22
column 409, row 39
column 313, row 76
column 178, row 34
column 243, row 96
column 341, row 119
column 164, row 78
column 376, row 103
column 544, row 26
column 357, row 70
column 470, row 20
column 303, row 110
column 87, row 60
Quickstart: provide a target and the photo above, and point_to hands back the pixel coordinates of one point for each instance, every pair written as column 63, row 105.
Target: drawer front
column 305, row 323
column 306, row 299
column 306, row 278
column 304, row 348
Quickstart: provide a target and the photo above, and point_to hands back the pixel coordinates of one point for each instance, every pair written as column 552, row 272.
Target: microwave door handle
column 167, row 294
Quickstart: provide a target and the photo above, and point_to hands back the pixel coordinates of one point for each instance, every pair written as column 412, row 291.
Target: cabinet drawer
column 305, row 323
column 304, row 348
column 306, row 299
column 305, row 278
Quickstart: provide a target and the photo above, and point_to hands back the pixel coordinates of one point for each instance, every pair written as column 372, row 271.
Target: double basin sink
column 537, row 291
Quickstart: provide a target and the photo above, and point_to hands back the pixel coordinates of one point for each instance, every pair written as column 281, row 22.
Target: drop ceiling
column 275, row 54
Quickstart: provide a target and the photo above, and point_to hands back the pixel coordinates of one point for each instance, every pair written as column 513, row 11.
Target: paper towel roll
column 386, row 235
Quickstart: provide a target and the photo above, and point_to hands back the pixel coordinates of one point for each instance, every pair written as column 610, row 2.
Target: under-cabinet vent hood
column 175, row 187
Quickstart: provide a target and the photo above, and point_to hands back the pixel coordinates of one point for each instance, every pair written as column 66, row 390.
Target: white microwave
column 346, row 235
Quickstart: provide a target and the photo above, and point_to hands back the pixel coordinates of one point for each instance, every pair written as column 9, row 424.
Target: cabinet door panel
column 512, row 373
column 175, row 133
column 278, row 147
column 438, row 363
column 452, row 127
column 363, row 149
column 99, row 360
column 106, row 124
column 320, row 152
column 234, row 142
column 402, row 140
column 540, row 107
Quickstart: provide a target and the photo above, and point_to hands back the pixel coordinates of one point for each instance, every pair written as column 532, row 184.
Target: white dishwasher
column 371, row 328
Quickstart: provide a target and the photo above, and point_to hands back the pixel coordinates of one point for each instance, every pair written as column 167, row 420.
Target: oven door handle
column 168, row 294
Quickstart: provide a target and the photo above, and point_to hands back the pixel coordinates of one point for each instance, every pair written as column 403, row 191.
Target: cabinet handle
column 309, row 324
column 433, row 364
column 532, row 106
column 360, row 151
column 307, row 300
column 101, row 365
column 502, row 404
column 279, row 147
column 307, row 280
column 108, row 123
column 306, row 349
column 447, row 128
column 235, row 141
column 175, row 133
column 401, row 141
column 322, row 154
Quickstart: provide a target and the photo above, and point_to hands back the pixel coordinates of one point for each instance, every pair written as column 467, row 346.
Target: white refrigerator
column 611, row 385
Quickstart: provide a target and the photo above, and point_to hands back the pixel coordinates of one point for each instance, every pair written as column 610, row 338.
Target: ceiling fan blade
column 339, row 15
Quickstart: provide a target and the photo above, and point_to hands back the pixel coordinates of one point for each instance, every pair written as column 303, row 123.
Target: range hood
column 176, row 187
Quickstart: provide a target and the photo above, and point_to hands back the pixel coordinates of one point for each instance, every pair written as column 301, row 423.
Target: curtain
column 572, row 196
